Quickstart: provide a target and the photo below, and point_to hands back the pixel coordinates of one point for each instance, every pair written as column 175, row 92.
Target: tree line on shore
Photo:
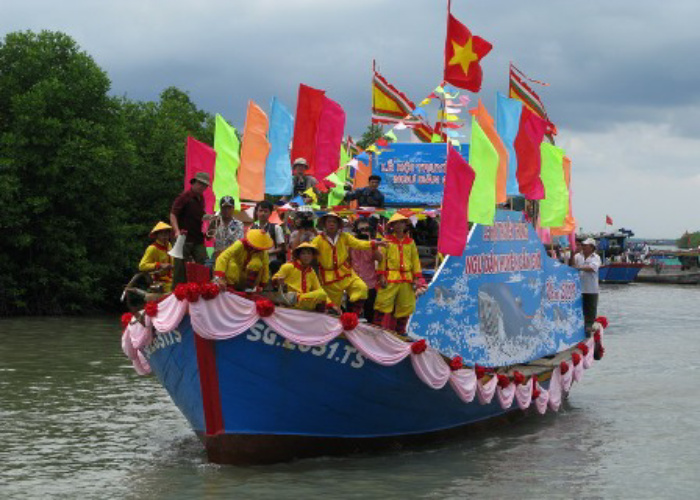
column 84, row 175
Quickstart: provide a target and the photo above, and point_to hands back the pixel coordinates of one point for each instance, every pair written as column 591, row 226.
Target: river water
column 77, row 422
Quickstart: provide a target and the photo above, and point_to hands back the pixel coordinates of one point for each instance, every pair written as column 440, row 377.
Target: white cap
column 300, row 161
column 589, row 241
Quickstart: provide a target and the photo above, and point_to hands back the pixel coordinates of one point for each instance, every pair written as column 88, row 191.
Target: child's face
column 163, row 236
column 306, row 256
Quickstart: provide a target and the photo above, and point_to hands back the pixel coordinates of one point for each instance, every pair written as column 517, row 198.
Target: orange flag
column 569, row 226
column 251, row 173
column 486, row 123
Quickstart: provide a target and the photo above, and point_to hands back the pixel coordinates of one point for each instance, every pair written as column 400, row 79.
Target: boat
column 672, row 267
column 499, row 334
column 617, row 265
column 619, row 272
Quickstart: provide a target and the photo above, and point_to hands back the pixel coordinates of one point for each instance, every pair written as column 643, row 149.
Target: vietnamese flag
column 463, row 51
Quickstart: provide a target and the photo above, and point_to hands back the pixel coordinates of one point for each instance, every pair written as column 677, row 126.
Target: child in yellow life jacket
column 245, row 265
column 399, row 275
column 334, row 263
column 156, row 259
column 301, row 278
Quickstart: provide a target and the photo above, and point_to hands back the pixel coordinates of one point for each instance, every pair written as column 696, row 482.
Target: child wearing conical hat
column 245, row 264
column 156, row 259
column 301, row 278
column 399, row 275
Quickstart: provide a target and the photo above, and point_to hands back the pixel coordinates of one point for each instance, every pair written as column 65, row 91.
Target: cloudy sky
column 625, row 79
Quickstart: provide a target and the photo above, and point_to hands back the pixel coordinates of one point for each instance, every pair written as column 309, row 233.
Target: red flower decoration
column 152, row 309
column 563, row 367
column 126, row 319
column 503, row 381
column 535, row 392
column 456, row 363
column 576, row 358
column 349, row 321
column 602, row 320
column 180, row 291
column 598, row 352
column 583, row 347
column 518, row 378
column 596, row 338
column 193, row 292
column 265, row 307
column 480, row 371
column 419, row 346
column 209, row 291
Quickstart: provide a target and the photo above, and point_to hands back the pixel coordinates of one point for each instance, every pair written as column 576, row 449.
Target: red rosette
column 456, row 363
column 583, row 347
column 602, row 320
column 349, row 321
column 480, row 371
column 126, row 319
column 180, row 291
column 193, row 292
column 419, row 346
column 576, row 358
column 209, row 291
column 518, row 378
column 503, row 381
column 563, row 367
column 265, row 307
column 535, row 392
column 151, row 309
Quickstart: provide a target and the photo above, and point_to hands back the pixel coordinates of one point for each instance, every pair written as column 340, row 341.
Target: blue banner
column 413, row 174
column 504, row 301
column 278, row 168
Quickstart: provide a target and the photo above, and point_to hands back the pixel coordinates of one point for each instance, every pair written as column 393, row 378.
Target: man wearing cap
column 337, row 276
column 245, row 264
column 225, row 228
column 588, row 262
column 301, row 278
column 399, row 275
column 156, row 259
column 300, row 180
column 369, row 196
column 186, row 216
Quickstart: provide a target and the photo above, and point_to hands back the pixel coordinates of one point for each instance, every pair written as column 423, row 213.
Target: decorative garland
column 233, row 315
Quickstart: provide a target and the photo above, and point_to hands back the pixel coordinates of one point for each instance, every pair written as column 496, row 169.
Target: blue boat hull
column 258, row 395
column 619, row 273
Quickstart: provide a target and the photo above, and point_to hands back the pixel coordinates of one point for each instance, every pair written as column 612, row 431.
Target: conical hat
column 322, row 219
column 161, row 226
column 258, row 239
column 303, row 246
column 397, row 217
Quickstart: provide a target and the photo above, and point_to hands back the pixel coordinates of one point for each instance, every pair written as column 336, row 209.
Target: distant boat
column 612, row 248
column 619, row 272
column 672, row 267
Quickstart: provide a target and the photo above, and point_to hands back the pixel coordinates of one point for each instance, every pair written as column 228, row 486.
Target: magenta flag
column 200, row 158
column 329, row 136
column 459, row 178
column 527, row 150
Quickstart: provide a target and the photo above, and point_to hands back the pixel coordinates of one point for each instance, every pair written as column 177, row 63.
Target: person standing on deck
column 363, row 263
column 369, row 196
column 588, row 262
column 186, row 216
column 225, row 229
column 300, row 180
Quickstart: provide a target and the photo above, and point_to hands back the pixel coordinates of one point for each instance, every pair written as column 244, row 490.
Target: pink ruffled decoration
column 224, row 317
column 587, row 360
column 170, row 314
column 293, row 325
column 486, row 391
column 376, row 345
column 431, row 368
column 542, row 401
column 523, row 394
column 135, row 338
column 505, row 395
column 568, row 378
column 556, row 386
column 464, row 383
column 577, row 371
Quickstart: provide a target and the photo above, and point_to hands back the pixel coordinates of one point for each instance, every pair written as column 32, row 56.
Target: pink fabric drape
column 459, row 179
column 329, row 136
column 200, row 158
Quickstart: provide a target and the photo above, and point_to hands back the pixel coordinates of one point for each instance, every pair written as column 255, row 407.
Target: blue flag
column 507, row 124
column 278, row 169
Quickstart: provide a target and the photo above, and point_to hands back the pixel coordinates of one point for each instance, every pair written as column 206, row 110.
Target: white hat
column 301, row 161
column 589, row 241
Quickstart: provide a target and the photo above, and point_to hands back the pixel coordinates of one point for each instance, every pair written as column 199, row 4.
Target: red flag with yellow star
column 463, row 51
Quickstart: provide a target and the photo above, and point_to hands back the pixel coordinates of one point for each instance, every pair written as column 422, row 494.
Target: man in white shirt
column 588, row 262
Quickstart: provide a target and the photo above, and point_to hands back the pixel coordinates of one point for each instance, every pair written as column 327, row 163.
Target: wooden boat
column 674, row 268
column 498, row 333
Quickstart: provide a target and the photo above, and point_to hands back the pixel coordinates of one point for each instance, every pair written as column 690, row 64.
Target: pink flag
column 459, row 178
column 329, row 136
column 251, row 173
column 200, row 158
column 309, row 106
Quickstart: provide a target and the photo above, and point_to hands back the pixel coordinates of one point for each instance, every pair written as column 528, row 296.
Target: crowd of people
column 325, row 264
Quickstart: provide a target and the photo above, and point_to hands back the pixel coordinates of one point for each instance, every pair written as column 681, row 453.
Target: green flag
column 337, row 194
column 483, row 158
column 555, row 205
column 227, row 147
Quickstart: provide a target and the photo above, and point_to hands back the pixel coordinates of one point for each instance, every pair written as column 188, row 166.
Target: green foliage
column 373, row 132
column 689, row 240
column 83, row 176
